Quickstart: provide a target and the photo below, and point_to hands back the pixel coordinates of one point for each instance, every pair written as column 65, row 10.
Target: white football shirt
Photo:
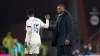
column 33, row 26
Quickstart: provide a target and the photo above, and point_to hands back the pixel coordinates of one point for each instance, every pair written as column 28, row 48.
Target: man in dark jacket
column 64, row 32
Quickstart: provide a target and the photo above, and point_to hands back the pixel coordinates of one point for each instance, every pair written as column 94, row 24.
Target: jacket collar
column 64, row 13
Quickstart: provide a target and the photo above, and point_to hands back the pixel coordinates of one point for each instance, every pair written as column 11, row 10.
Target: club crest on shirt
column 94, row 19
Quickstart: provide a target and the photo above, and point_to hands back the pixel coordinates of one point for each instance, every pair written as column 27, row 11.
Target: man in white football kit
column 32, row 40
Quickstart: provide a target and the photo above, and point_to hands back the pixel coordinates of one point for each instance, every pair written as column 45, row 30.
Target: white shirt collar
column 31, row 18
column 60, row 14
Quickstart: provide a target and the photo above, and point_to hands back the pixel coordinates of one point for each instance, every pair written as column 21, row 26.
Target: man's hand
column 67, row 42
column 25, row 44
column 47, row 17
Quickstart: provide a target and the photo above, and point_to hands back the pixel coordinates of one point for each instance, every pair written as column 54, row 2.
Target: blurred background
column 86, row 17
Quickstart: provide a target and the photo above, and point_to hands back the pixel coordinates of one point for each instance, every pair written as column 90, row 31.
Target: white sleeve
column 27, row 38
column 27, row 25
column 43, row 25
column 28, row 30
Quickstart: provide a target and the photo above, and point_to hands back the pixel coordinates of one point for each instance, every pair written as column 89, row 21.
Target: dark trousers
column 64, row 51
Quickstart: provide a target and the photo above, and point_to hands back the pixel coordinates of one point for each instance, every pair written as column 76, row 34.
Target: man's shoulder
column 39, row 20
column 27, row 20
column 35, row 19
column 68, row 16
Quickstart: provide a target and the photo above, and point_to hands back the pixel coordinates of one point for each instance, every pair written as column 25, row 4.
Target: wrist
column 47, row 19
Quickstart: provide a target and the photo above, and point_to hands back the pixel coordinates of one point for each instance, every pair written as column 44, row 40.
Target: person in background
column 7, row 41
column 44, row 49
column 76, row 52
column 88, row 48
column 17, row 49
column 76, row 49
column 85, row 49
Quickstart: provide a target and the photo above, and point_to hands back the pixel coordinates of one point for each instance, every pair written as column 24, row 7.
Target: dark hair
column 30, row 12
column 61, row 5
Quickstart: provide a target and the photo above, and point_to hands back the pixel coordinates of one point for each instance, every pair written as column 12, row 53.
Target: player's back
column 35, row 28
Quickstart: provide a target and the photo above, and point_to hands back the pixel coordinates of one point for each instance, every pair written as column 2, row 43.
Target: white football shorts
column 33, row 48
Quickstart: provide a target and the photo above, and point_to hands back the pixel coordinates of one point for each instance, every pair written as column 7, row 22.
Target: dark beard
column 60, row 13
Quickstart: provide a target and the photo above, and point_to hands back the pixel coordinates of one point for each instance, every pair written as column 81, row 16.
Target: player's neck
column 31, row 17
